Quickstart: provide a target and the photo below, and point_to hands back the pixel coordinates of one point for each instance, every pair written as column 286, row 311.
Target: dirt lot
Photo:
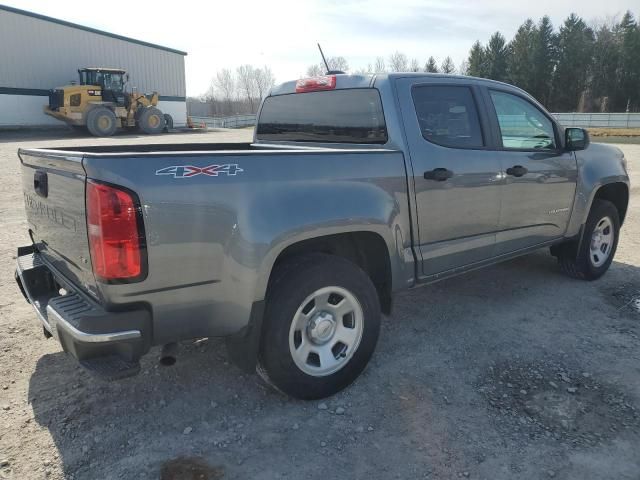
column 510, row 372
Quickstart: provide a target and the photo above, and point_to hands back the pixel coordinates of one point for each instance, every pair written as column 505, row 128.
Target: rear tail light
column 314, row 84
column 116, row 235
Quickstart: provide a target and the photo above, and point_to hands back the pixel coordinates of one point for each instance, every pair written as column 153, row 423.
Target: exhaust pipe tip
column 168, row 354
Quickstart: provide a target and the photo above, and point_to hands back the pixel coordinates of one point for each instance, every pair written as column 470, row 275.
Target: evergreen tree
column 604, row 66
column 520, row 62
column 575, row 48
column 431, row 66
column 628, row 92
column 448, row 66
column 543, row 60
column 476, row 65
column 496, row 55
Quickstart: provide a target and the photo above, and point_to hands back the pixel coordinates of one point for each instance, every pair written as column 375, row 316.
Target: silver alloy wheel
column 326, row 331
column 602, row 240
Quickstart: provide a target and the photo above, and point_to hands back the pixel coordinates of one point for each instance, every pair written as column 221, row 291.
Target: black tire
column 101, row 122
column 581, row 264
column 151, row 121
column 291, row 284
column 168, row 122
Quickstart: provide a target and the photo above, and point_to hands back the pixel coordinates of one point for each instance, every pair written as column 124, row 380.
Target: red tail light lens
column 314, row 84
column 116, row 238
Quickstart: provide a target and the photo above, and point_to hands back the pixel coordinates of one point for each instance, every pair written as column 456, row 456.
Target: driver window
column 522, row 125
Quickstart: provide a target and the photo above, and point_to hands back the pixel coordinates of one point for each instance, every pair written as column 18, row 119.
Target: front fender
column 598, row 165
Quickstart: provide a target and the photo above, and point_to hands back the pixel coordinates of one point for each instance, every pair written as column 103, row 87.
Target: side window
column 522, row 125
column 448, row 116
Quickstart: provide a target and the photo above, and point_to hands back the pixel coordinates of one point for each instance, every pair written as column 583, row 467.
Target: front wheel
column 598, row 246
column 151, row 121
column 321, row 326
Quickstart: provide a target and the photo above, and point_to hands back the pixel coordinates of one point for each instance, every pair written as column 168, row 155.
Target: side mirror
column 576, row 138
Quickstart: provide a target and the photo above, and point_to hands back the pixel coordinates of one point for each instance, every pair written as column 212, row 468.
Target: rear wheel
column 168, row 122
column 322, row 321
column 151, row 121
column 598, row 246
column 101, row 122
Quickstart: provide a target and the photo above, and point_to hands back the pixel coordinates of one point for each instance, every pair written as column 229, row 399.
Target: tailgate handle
column 41, row 183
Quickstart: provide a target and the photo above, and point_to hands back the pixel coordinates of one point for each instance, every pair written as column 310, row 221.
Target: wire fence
column 233, row 121
column 605, row 120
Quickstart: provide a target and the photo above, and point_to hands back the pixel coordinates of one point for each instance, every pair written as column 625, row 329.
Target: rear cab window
column 335, row 116
column 448, row 115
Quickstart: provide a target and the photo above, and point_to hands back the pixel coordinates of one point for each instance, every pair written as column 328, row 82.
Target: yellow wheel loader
column 100, row 104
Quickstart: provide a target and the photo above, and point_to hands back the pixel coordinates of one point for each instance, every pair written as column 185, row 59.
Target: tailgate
column 53, row 184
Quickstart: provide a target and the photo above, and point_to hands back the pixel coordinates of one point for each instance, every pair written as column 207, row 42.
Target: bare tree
column 264, row 80
column 316, row 70
column 464, row 67
column 338, row 63
column 379, row 66
column 246, row 83
column 225, row 84
column 398, row 62
column 415, row 66
column 335, row 63
column 448, row 66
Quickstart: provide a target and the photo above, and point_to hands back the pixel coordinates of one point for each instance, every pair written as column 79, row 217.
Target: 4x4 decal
column 185, row 171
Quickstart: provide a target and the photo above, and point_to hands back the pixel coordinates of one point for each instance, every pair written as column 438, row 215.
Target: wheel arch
column 616, row 193
column 368, row 250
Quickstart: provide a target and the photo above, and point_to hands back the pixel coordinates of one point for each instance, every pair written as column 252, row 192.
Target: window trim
column 474, row 98
column 499, row 146
column 384, row 119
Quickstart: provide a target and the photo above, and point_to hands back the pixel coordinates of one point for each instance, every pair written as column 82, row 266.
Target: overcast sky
column 283, row 34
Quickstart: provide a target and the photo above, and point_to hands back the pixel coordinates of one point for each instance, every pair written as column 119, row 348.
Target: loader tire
column 168, row 122
column 101, row 122
column 151, row 121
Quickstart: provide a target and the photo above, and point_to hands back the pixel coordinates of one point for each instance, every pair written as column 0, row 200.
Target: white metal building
column 38, row 53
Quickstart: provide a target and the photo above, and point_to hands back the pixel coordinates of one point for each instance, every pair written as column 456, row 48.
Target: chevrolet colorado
column 355, row 187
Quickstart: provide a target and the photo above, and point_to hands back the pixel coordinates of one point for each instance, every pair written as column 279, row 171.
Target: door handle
column 438, row 174
column 517, row 171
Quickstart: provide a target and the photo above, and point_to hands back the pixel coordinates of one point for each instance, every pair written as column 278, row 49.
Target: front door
column 456, row 177
column 540, row 177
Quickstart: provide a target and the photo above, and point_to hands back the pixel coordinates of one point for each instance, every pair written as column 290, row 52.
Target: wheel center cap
column 597, row 239
column 321, row 327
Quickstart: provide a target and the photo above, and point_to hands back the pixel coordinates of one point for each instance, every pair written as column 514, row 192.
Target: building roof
column 88, row 29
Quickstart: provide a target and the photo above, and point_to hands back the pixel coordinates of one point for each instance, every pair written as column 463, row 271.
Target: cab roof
column 102, row 69
column 368, row 80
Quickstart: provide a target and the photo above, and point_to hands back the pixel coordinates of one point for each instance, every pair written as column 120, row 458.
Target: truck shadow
column 441, row 337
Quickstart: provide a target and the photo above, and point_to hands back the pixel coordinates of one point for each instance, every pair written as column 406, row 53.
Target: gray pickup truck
column 356, row 186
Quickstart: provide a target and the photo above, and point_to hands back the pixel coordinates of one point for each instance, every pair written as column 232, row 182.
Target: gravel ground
column 514, row 371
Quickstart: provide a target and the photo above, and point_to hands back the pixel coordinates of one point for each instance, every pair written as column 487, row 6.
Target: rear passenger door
column 456, row 176
column 539, row 175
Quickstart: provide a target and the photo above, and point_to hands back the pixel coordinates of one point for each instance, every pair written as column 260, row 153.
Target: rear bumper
column 84, row 328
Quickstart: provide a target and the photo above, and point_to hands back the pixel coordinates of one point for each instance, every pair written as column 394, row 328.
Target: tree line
column 233, row 92
column 577, row 68
column 396, row 62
